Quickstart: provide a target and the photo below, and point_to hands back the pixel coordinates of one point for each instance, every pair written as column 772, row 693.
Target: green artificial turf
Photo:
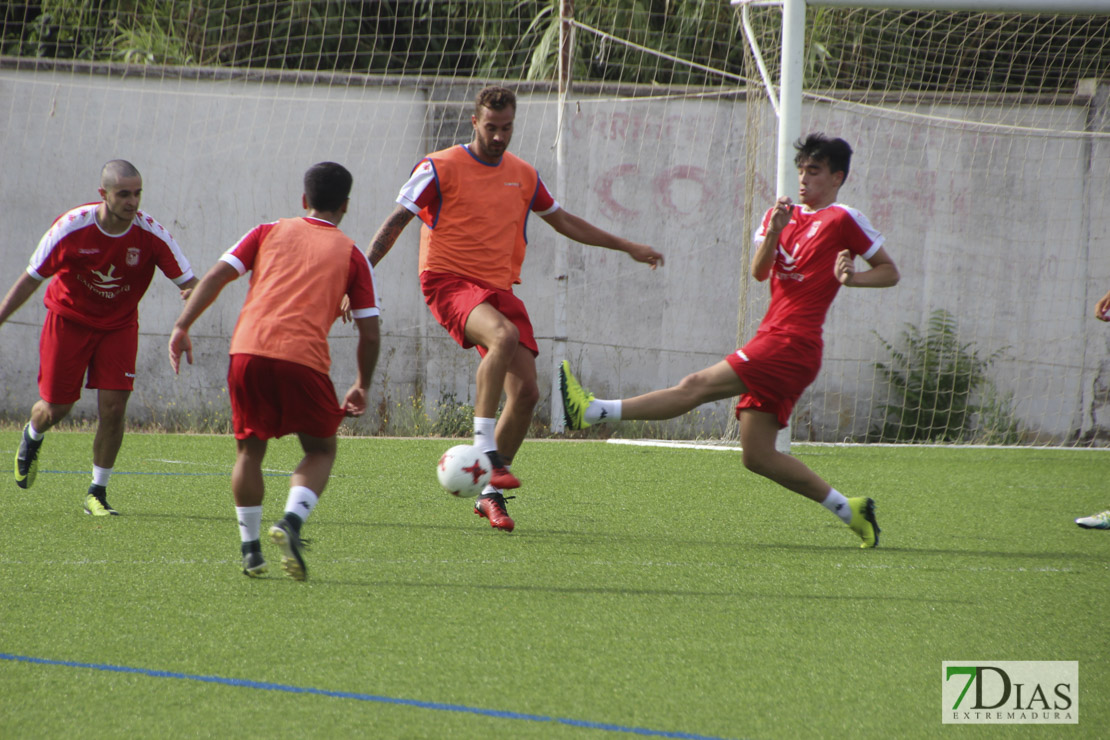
column 668, row 590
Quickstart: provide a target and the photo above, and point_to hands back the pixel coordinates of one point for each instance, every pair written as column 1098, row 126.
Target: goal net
column 982, row 146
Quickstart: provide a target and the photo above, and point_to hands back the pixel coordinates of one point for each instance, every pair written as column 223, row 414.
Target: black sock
column 293, row 521
column 252, row 546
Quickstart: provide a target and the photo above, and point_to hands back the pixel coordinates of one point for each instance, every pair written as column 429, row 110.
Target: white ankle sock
column 301, row 502
column 837, row 504
column 101, row 476
column 603, row 411
column 484, row 431
column 250, row 522
column 32, row 432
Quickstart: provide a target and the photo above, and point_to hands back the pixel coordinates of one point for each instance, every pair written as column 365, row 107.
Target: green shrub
column 934, row 377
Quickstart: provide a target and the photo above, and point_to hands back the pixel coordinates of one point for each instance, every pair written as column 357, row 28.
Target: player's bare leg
column 247, row 485
column 521, row 396
column 315, row 467
column 45, row 415
column 305, row 486
column 248, row 489
column 758, row 431
column 501, row 370
column 711, row 384
column 112, row 417
column 487, row 327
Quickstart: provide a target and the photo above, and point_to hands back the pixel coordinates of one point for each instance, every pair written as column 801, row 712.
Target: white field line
column 735, row 446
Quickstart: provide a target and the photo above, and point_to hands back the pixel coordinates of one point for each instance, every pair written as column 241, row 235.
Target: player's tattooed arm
column 387, row 234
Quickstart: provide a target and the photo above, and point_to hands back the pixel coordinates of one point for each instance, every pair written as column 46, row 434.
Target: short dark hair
column 494, row 97
column 836, row 153
column 327, row 186
column 115, row 170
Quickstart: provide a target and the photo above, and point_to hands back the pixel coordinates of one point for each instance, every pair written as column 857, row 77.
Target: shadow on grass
column 947, row 553
column 603, row 591
column 850, row 546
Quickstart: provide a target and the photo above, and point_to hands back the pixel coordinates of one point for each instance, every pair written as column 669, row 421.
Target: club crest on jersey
column 813, row 230
column 106, row 280
column 132, row 258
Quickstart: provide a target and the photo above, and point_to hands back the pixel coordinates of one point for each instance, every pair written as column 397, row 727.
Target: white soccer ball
column 464, row 471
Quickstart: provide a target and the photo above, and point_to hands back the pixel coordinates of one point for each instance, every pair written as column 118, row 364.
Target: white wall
column 1011, row 235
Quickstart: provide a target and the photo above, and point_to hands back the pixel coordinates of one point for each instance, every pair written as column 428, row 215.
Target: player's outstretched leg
column 492, row 506
column 288, row 539
column 863, row 521
column 576, row 399
column 96, row 502
column 1095, row 521
column 27, row 459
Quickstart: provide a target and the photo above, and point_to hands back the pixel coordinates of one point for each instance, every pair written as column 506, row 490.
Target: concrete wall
column 1009, row 232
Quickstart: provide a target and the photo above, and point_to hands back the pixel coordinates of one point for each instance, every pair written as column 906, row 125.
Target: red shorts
column 776, row 368
column 451, row 299
column 272, row 398
column 68, row 348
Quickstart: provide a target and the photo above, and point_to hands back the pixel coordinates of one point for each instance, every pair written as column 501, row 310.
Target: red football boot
column 492, row 507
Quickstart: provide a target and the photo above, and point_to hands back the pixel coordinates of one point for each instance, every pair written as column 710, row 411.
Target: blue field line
column 438, row 706
column 221, row 474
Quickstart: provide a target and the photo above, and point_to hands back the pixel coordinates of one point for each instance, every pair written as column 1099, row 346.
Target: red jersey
column 99, row 278
column 803, row 278
column 475, row 214
column 300, row 270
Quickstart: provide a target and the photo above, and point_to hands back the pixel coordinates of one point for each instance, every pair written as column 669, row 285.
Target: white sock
column 484, row 433
column 32, row 432
column 837, row 504
column 301, row 502
column 250, row 522
column 101, row 476
column 599, row 411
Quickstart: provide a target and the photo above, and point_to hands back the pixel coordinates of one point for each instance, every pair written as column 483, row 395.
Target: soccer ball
column 464, row 471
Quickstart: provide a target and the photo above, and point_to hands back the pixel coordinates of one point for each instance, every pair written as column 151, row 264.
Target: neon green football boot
column 576, row 399
column 863, row 521
column 1095, row 521
column 96, row 502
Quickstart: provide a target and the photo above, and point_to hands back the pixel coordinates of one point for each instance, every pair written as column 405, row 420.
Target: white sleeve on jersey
column 423, row 177
column 376, row 309
column 873, row 234
column 66, row 224
column 149, row 225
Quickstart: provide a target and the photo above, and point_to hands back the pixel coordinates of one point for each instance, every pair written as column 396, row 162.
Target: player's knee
column 54, row 413
column 696, row 386
column 505, row 339
column 757, row 462
column 113, row 412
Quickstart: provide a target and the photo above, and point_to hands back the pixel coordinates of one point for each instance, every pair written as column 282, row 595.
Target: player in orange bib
column 808, row 252
column 99, row 259
column 301, row 270
column 474, row 200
